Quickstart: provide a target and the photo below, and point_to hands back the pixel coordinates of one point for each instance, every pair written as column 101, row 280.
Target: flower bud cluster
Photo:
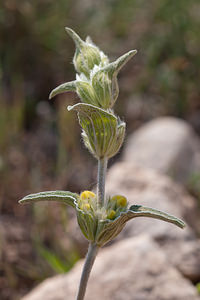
column 96, row 81
column 90, row 216
column 87, row 54
column 93, row 85
column 87, row 202
column 96, row 85
column 115, row 206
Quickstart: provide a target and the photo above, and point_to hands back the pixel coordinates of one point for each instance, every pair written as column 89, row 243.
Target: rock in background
column 149, row 188
column 168, row 145
column 135, row 268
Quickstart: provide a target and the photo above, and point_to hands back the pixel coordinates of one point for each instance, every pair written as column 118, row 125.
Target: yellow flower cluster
column 115, row 206
column 88, row 203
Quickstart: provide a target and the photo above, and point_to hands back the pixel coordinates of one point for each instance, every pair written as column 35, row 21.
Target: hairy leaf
column 65, row 87
column 57, row 196
column 142, row 211
column 114, row 67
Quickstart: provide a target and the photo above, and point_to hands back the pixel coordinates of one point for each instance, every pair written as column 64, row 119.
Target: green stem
column 102, row 167
column 93, row 248
column 89, row 261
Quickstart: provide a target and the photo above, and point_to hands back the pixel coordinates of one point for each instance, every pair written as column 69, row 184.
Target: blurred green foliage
column 198, row 287
column 194, row 186
column 57, row 264
column 37, row 148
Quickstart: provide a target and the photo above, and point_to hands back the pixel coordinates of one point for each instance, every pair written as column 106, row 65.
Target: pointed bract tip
column 182, row 224
column 76, row 38
column 133, row 52
column 129, row 54
column 89, row 40
column 51, row 95
column 69, row 30
column 69, row 107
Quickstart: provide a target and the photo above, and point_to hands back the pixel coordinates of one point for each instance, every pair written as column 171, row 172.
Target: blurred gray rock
column 184, row 255
column 149, row 188
column 132, row 269
column 168, row 145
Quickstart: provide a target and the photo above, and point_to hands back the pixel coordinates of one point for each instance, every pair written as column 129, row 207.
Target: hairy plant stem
column 102, row 167
column 89, row 261
column 93, row 248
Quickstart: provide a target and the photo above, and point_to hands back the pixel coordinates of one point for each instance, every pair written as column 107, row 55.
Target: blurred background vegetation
column 40, row 145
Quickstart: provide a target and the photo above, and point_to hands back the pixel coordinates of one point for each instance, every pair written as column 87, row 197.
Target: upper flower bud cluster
column 96, row 81
column 97, row 87
column 87, row 54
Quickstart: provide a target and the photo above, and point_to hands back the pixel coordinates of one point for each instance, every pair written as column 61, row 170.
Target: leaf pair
column 97, row 230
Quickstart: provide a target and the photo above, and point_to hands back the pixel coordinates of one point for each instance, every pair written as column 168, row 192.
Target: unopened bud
column 86, row 92
column 104, row 81
column 87, row 55
column 111, row 215
column 120, row 200
column 102, row 85
column 85, row 206
column 86, row 195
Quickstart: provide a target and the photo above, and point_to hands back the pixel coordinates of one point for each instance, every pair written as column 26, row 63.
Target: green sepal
column 87, row 224
column 86, row 92
column 57, row 196
column 104, row 87
column 107, row 230
column 102, row 131
column 65, row 87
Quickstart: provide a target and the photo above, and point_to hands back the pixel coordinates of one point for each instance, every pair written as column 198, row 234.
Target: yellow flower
column 87, row 195
column 85, row 206
column 120, row 200
column 111, row 215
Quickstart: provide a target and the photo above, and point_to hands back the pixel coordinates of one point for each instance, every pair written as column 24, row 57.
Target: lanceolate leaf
column 87, row 224
column 142, row 211
column 77, row 40
column 57, row 196
column 114, row 67
column 65, row 87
